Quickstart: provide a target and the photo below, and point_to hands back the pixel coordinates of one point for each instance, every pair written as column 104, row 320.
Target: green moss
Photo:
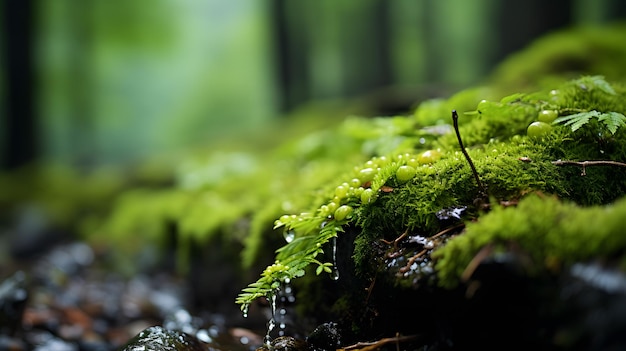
column 509, row 163
column 551, row 232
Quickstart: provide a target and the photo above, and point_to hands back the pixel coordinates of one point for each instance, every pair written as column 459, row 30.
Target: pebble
column 68, row 300
column 160, row 339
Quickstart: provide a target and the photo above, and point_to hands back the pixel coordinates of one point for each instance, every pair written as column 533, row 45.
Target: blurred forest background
column 100, row 82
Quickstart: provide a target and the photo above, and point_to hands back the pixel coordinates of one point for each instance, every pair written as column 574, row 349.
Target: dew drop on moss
column 289, row 235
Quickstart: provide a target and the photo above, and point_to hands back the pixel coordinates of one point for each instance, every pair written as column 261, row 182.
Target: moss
column 553, row 233
column 509, row 163
column 251, row 194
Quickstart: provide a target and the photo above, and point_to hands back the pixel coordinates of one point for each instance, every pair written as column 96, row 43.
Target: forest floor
column 67, row 297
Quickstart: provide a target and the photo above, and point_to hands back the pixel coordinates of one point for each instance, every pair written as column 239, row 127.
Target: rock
column 160, row 339
column 285, row 343
column 13, row 297
column 325, row 337
column 11, row 344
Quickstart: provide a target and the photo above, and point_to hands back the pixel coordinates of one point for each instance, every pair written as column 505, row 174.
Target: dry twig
column 584, row 164
column 370, row 346
column 481, row 186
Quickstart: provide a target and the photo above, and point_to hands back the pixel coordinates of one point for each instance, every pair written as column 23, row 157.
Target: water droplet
column 244, row 310
column 203, row 335
column 334, row 274
column 289, row 235
column 271, row 324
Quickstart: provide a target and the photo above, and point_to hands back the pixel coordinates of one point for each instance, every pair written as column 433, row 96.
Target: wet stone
column 451, row 213
column 325, row 337
column 160, row 339
column 286, row 343
column 13, row 297
column 12, row 344
column 56, row 344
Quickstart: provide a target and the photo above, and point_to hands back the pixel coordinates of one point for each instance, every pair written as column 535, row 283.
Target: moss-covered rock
column 418, row 227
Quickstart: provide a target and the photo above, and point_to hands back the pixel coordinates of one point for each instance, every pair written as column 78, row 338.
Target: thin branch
column 397, row 240
column 369, row 346
column 447, row 230
column 584, row 164
column 412, row 260
column 455, row 121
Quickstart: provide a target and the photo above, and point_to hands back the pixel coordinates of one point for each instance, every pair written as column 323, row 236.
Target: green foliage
column 550, row 232
column 495, row 133
column 611, row 120
column 577, row 120
column 293, row 258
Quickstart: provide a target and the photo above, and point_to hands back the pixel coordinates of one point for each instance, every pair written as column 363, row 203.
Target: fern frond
column 577, row 120
column 612, row 120
column 293, row 258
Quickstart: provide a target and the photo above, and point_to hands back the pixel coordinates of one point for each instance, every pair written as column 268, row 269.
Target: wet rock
column 13, row 297
column 56, row 344
column 591, row 307
column 286, row 343
column 325, row 337
column 41, row 340
column 31, row 233
column 160, row 339
column 11, row 344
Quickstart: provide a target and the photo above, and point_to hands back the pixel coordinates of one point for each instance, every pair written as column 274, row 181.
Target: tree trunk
column 20, row 141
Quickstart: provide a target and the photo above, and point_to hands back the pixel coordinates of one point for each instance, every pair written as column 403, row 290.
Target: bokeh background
column 98, row 82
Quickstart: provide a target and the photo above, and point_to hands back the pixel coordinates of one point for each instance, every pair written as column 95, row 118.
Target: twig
column 412, row 260
column 476, row 261
column 369, row 346
column 455, row 121
column 447, row 230
column 395, row 242
column 584, row 164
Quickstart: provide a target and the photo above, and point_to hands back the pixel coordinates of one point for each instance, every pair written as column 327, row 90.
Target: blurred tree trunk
column 329, row 49
column 81, row 72
column 21, row 135
column 519, row 22
column 367, row 62
column 291, row 54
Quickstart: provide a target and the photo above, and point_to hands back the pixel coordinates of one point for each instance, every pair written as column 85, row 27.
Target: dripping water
column 271, row 324
column 279, row 320
column 334, row 274
column 244, row 309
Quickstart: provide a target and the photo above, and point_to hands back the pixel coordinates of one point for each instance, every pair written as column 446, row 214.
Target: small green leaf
column 612, row 120
column 319, row 270
column 577, row 120
column 512, row 98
